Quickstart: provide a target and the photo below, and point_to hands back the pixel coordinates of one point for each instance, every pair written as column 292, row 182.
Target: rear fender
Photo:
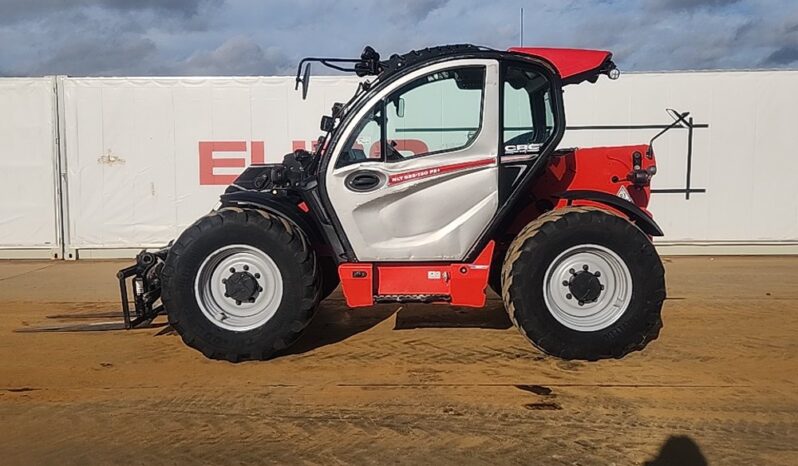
column 637, row 215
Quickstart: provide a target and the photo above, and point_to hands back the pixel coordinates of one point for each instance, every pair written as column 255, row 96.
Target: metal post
column 62, row 191
column 689, row 157
column 521, row 44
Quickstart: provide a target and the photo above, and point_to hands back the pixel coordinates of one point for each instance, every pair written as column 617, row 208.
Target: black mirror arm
column 680, row 118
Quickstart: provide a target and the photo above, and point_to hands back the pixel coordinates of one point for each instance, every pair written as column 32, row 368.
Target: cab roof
column 573, row 65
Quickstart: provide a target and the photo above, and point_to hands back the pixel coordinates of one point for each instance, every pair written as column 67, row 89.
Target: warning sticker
column 624, row 194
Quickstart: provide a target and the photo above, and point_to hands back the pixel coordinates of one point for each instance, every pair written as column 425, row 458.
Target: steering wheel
column 392, row 154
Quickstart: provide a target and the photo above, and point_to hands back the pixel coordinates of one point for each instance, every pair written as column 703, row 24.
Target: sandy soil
column 405, row 384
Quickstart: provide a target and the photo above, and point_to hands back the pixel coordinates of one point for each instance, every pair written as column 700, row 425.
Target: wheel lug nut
column 252, row 300
column 572, row 271
column 602, row 287
column 232, row 270
column 226, row 295
column 581, row 303
column 260, row 289
column 238, row 303
column 257, row 275
column 568, row 296
column 597, row 274
column 585, row 267
column 246, row 267
column 565, row 283
column 224, row 280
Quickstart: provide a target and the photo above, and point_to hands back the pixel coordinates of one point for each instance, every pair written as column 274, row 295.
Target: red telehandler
column 440, row 177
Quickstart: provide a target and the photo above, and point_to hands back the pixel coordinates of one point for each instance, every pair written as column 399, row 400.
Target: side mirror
column 305, row 81
column 400, row 107
column 327, row 123
column 679, row 119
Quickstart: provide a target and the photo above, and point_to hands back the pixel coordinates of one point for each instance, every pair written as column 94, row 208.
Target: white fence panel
column 147, row 157
column 28, row 153
column 745, row 158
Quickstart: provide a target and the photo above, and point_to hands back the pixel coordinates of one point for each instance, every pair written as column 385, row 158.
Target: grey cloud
column 109, row 57
column 687, row 5
column 415, row 10
column 239, row 56
column 248, row 37
column 12, row 11
column 185, row 7
column 786, row 55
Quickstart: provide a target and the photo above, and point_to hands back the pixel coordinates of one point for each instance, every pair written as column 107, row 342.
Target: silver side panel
column 429, row 208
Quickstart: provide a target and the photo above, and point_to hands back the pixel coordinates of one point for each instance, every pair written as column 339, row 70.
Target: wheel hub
column 238, row 287
column 585, row 286
column 242, row 287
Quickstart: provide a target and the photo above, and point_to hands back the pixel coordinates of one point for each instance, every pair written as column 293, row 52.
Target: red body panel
column 468, row 283
column 567, row 62
column 413, row 279
column 596, row 169
column 357, row 282
column 464, row 284
column 602, row 169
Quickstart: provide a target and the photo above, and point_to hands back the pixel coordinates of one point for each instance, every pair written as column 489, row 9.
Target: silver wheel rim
column 224, row 311
column 608, row 306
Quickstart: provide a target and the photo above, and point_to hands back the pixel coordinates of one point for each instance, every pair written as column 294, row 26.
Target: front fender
column 631, row 210
column 280, row 206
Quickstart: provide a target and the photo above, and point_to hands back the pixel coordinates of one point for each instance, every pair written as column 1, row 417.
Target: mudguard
column 635, row 213
column 284, row 206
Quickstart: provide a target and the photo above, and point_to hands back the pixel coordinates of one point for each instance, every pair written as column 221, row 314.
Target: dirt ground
column 405, row 384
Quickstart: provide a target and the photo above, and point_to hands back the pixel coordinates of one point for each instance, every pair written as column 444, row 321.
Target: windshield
column 362, row 87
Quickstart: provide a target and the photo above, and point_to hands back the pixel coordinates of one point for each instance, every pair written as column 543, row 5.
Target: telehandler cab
column 442, row 175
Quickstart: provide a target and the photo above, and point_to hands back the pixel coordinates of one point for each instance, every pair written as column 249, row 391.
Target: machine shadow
column 335, row 322
column 681, row 450
column 492, row 316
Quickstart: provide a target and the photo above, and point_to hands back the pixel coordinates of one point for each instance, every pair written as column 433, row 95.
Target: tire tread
column 534, row 234
column 290, row 237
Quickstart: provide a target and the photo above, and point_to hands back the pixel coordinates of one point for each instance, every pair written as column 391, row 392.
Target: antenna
column 521, row 44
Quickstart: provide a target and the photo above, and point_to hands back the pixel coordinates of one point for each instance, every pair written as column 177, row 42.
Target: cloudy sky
column 266, row 37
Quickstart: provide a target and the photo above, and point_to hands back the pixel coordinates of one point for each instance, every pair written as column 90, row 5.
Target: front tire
column 582, row 283
column 240, row 284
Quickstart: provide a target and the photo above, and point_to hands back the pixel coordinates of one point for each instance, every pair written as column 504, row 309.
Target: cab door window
column 440, row 112
column 366, row 141
column 528, row 113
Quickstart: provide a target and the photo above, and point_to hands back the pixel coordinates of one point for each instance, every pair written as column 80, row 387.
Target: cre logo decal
column 521, row 149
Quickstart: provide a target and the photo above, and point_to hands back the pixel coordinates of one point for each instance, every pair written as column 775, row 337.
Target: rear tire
column 582, row 283
column 264, row 308
column 495, row 275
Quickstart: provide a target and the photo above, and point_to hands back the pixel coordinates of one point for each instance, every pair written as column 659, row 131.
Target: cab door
column 415, row 177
